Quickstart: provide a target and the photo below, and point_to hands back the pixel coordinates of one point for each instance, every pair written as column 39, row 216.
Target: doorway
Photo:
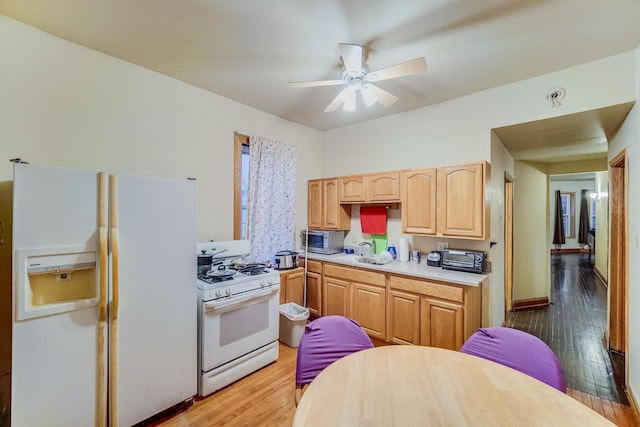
column 618, row 262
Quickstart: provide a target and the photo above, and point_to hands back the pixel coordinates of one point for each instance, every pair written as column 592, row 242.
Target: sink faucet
column 371, row 248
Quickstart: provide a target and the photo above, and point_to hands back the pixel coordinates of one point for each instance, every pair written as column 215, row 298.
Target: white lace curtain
column 271, row 213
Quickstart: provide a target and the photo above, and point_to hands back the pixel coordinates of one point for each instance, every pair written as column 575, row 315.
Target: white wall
column 66, row 105
column 628, row 137
column 574, row 187
column 531, row 269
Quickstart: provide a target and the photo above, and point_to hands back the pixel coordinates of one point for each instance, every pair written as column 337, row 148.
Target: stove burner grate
column 214, row 279
column 253, row 269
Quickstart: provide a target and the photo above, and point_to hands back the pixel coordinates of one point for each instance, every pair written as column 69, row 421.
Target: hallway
column 573, row 326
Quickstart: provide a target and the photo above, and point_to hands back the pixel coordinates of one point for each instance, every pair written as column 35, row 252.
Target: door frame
column 617, row 334
column 508, row 242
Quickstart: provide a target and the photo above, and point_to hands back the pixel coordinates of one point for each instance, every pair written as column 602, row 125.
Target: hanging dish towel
column 373, row 219
column 380, row 240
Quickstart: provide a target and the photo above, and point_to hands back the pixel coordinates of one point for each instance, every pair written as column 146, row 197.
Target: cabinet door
column 383, row 187
column 314, row 293
column 334, row 215
column 314, row 204
column 461, row 201
column 294, row 286
column 352, row 189
column 442, row 324
column 404, row 318
column 368, row 308
column 418, row 188
column 335, row 298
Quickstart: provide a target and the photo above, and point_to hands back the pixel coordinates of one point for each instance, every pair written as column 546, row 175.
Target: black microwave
column 464, row 260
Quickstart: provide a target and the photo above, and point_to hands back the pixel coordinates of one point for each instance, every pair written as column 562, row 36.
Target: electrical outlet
column 442, row 245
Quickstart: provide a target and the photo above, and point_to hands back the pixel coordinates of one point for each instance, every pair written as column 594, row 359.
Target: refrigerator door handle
column 115, row 298
column 101, row 404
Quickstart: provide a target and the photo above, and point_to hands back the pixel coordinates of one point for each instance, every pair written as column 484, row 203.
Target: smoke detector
column 554, row 96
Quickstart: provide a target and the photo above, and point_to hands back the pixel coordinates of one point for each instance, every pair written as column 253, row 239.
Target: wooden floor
column 573, row 326
column 266, row 398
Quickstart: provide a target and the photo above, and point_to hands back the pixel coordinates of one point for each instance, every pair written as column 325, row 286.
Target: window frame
column 571, row 232
column 238, row 141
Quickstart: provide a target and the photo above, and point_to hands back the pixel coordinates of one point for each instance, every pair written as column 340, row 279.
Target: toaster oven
column 464, row 260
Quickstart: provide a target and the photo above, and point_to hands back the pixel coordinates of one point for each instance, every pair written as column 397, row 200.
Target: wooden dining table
column 404, row 385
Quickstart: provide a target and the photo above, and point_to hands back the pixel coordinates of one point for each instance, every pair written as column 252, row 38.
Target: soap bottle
column 392, row 249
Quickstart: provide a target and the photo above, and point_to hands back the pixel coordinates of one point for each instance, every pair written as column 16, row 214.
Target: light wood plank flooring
column 266, row 398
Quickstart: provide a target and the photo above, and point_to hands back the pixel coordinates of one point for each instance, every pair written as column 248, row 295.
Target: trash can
column 293, row 318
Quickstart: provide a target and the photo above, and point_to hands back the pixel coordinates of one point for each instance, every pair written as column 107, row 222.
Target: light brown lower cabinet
column 357, row 293
column 433, row 314
column 400, row 309
column 314, row 294
column 441, row 324
column 368, row 308
column 292, row 286
column 404, row 317
column 336, row 297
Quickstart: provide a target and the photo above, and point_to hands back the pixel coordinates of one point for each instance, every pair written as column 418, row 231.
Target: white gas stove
column 232, row 273
column 238, row 315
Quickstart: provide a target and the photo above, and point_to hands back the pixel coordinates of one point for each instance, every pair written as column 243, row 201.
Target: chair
column 324, row 341
column 518, row 350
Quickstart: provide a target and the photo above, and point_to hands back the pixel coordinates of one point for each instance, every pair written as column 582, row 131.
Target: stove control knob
column 228, row 292
column 218, row 294
column 262, row 284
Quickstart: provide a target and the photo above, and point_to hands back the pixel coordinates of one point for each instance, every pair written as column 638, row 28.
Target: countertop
column 421, row 270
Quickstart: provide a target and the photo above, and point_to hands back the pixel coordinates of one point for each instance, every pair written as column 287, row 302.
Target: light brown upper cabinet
column 324, row 209
column 447, row 201
column 352, row 189
column 418, row 188
column 314, row 203
column 370, row 188
column 461, row 201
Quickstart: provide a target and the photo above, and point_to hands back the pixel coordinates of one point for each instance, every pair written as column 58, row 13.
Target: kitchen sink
column 368, row 260
column 377, row 260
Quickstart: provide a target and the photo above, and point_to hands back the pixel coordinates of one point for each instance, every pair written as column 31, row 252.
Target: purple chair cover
column 518, row 350
column 326, row 340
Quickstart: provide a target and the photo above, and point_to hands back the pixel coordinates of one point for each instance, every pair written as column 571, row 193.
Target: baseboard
column 570, row 251
column 601, row 276
column 634, row 406
column 530, row 303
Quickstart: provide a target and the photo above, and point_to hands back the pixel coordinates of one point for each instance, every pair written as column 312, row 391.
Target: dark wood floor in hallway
column 573, row 325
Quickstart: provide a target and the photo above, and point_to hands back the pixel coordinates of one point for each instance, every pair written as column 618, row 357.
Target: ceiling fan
column 358, row 78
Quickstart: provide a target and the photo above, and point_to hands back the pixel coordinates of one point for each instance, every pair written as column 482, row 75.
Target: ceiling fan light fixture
column 348, row 96
column 368, row 96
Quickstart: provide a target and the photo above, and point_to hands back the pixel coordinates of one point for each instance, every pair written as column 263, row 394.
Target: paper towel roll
column 403, row 249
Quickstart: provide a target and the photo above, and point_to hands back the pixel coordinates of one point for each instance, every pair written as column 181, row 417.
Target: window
column 241, row 185
column 593, row 212
column 568, row 214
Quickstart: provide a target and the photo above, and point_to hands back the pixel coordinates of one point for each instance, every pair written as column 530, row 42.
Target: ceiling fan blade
column 317, row 83
column 351, row 57
column 414, row 66
column 335, row 104
column 384, row 97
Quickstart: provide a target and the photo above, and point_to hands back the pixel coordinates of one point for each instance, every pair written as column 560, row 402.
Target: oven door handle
column 228, row 303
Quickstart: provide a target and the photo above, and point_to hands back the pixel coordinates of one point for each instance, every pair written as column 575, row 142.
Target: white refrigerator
column 104, row 297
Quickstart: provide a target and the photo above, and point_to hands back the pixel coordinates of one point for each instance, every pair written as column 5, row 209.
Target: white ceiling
column 248, row 51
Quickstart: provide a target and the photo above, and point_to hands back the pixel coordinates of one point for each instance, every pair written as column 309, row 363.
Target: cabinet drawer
column 314, row 266
column 422, row 287
column 354, row 274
